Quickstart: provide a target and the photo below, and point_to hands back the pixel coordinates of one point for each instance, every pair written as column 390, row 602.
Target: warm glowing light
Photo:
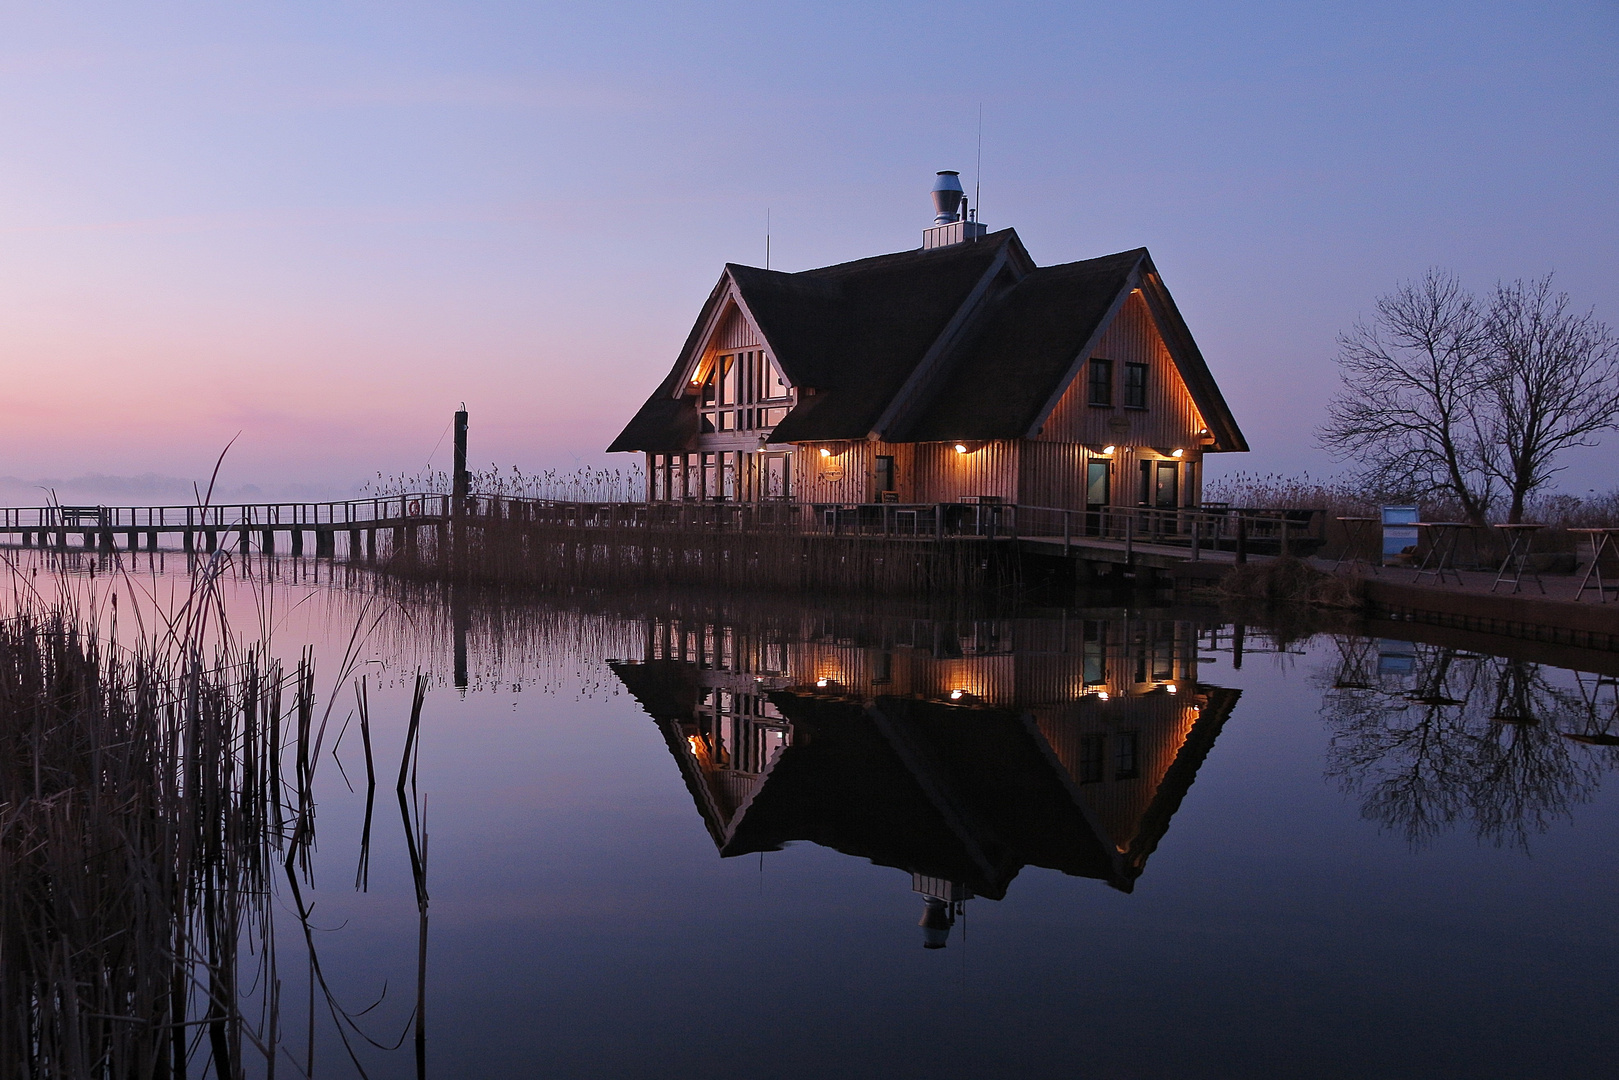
column 1177, row 453
column 1109, row 448
column 961, row 448
column 825, row 452
column 1171, row 688
column 1101, row 695
column 955, row 695
column 822, row 682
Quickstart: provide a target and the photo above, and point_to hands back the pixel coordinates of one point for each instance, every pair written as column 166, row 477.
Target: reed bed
column 139, row 816
column 561, row 555
column 153, row 797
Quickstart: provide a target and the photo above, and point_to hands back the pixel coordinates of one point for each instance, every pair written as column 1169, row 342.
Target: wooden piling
column 297, row 541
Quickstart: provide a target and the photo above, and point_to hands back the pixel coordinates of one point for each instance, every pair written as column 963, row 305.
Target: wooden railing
column 1196, row 529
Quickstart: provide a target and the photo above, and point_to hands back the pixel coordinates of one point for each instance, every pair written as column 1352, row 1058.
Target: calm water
column 708, row 839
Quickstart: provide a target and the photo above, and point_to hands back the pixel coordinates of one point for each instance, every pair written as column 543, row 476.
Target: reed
column 558, row 551
column 136, row 838
column 145, row 820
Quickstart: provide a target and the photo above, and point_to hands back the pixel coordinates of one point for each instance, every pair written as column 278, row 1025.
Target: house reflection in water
column 959, row 753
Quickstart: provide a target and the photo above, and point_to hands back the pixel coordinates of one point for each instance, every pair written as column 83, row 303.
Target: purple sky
column 325, row 225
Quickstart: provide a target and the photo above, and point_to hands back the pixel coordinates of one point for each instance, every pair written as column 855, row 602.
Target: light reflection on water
column 704, row 836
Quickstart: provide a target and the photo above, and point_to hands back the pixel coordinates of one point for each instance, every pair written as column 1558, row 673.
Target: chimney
column 952, row 224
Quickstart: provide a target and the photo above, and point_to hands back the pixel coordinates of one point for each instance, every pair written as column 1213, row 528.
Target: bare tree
column 1553, row 384
column 1413, row 378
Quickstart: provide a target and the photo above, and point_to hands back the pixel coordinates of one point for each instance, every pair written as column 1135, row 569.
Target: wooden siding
column 1053, row 474
column 942, row 475
column 1170, row 418
column 845, row 477
column 1160, row 724
column 734, row 332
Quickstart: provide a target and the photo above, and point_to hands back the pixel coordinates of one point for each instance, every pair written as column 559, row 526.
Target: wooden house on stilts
column 957, row 371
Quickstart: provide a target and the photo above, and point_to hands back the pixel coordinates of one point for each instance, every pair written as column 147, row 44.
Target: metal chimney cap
column 947, row 197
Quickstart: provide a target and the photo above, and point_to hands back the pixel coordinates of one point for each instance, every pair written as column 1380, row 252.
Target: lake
column 699, row 836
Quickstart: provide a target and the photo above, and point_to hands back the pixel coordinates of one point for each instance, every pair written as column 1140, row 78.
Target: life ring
column 414, row 509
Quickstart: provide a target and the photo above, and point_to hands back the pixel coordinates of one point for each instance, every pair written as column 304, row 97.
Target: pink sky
column 325, row 227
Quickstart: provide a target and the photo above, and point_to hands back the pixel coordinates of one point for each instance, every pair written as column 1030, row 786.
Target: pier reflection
column 956, row 752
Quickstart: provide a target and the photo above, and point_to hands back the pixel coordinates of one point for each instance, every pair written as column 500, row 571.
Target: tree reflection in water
column 1429, row 736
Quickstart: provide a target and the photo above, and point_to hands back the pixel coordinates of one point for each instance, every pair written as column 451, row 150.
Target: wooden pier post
column 267, row 542
column 241, row 541
column 151, row 540
column 134, row 539
column 459, row 484
column 190, row 541
column 1242, row 540
column 297, row 541
column 370, row 545
column 354, row 545
column 211, row 538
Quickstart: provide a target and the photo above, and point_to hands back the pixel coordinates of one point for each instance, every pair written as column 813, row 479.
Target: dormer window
column 742, row 391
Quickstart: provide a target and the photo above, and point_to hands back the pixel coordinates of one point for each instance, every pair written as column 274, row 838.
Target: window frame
column 1133, row 368
column 1096, row 365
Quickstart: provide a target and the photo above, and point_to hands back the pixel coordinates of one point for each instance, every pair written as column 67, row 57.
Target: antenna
column 767, row 238
column 978, row 181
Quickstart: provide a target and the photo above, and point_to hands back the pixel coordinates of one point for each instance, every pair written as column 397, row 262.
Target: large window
column 742, row 391
column 1135, row 386
column 1101, row 382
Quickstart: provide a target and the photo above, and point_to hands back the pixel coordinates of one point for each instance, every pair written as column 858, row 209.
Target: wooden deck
column 1135, row 545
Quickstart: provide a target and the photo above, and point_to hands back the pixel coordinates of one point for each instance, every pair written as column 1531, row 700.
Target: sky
column 318, row 228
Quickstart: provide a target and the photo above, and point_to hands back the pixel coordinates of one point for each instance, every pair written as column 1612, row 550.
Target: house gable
column 1168, row 416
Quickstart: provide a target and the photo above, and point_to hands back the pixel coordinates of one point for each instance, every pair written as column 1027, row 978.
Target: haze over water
column 695, row 836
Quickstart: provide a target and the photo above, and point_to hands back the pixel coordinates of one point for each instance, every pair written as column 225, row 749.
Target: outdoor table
column 1522, row 539
column 1602, row 541
column 1441, row 557
column 1357, row 530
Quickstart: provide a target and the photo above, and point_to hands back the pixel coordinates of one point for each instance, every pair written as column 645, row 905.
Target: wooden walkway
column 1136, row 544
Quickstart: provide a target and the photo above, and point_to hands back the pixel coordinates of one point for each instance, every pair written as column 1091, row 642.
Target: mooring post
column 1242, row 540
column 459, row 483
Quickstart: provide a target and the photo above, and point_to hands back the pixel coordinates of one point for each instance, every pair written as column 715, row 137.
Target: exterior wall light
column 1177, row 452
column 955, row 695
column 961, row 448
column 1101, row 695
column 822, row 682
column 1109, row 449
column 826, row 451
column 1171, row 688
